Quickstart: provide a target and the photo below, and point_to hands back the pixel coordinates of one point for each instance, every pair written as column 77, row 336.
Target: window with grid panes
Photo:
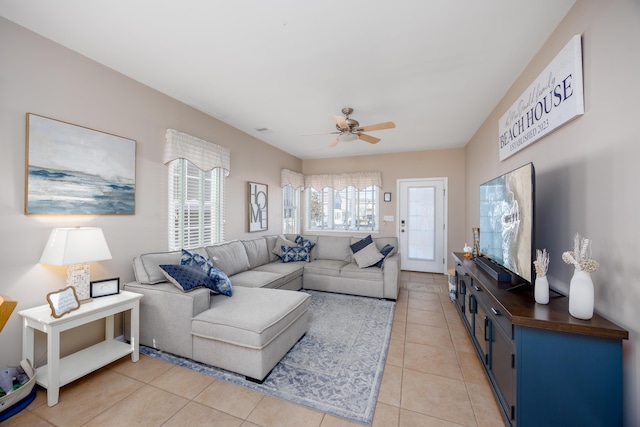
column 196, row 205
column 290, row 210
column 350, row 209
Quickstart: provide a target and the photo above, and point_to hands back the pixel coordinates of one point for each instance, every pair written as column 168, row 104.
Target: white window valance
column 288, row 177
column 360, row 180
column 204, row 154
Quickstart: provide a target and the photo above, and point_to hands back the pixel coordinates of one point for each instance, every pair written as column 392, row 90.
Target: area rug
column 335, row 368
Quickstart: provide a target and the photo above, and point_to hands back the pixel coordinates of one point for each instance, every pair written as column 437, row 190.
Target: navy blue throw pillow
column 361, row 244
column 187, row 277
column 304, row 243
column 384, row 251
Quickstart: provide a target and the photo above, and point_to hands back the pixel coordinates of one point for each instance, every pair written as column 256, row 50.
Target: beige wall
column 42, row 77
column 586, row 171
column 419, row 164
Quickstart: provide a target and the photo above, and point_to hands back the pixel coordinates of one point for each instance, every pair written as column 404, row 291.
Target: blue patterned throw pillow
column 384, row 251
column 295, row 253
column 192, row 258
column 221, row 282
column 304, row 243
column 186, row 277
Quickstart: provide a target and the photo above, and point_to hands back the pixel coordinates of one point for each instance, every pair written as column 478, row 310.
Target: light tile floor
column 432, row 378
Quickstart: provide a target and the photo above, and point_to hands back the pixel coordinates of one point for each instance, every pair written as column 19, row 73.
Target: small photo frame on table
column 103, row 288
column 63, row 301
column 387, row 197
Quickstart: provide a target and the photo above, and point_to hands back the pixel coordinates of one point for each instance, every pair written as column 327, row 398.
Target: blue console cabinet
column 546, row 367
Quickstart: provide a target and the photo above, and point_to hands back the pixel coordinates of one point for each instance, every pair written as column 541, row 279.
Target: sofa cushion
column 352, row 271
column 271, row 243
column 252, row 318
column 229, row 257
column 257, row 252
column 385, row 252
column 295, row 253
column 368, row 256
column 334, row 248
column 325, row 267
column 257, row 279
column 187, row 277
column 280, row 242
column 289, row 270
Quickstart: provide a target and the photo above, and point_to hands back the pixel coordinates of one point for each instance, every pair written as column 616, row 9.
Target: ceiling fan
column 349, row 129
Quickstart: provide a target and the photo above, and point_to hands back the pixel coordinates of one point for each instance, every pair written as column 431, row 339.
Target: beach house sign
column 553, row 99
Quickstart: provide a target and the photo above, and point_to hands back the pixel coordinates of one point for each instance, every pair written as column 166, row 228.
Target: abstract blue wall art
column 75, row 170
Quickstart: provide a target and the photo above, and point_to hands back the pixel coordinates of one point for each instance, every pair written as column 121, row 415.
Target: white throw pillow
column 280, row 242
column 368, row 256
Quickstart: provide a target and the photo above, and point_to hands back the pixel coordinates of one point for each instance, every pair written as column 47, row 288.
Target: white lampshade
column 67, row 246
column 76, row 247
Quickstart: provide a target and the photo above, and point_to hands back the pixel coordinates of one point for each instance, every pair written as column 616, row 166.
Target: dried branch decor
column 580, row 257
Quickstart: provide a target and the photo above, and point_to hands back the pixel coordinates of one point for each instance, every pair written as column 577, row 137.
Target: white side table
column 58, row 372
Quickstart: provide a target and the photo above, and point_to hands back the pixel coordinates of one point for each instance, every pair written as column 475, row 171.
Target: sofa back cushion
column 230, row 257
column 257, row 252
column 334, row 248
column 147, row 269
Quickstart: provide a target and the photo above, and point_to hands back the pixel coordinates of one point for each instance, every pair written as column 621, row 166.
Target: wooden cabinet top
column 520, row 307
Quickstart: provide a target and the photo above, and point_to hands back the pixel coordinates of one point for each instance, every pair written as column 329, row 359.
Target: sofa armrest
column 391, row 276
column 165, row 315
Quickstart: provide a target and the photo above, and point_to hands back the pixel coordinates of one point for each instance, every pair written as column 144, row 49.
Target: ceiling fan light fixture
column 348, row 137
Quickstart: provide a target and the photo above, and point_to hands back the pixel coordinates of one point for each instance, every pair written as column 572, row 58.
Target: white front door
column 422, row 224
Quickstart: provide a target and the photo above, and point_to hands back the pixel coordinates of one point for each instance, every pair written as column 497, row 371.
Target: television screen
column 506, row 220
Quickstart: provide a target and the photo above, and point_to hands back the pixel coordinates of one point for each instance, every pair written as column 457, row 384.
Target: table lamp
column 76, row 247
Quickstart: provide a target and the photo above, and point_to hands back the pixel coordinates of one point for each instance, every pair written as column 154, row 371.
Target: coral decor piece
column 580, row 256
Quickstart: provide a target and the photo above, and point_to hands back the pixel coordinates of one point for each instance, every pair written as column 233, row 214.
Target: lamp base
column 78, row 276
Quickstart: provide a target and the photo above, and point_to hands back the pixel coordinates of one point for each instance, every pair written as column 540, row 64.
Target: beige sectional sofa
column 252, row 330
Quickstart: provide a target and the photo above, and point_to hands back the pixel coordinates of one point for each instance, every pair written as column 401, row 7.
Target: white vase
column 581, row 295
column 541, row 290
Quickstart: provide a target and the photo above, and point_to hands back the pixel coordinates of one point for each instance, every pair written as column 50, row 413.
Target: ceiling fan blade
column 341, row 122
column 320, row 133
column 334, row 143
column 379, row 126
column 368, row 138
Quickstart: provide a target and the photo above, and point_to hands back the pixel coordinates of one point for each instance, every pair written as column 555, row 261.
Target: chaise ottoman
column 251, row 331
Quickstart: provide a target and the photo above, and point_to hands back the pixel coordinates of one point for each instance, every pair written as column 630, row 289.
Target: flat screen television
column 506, row 225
